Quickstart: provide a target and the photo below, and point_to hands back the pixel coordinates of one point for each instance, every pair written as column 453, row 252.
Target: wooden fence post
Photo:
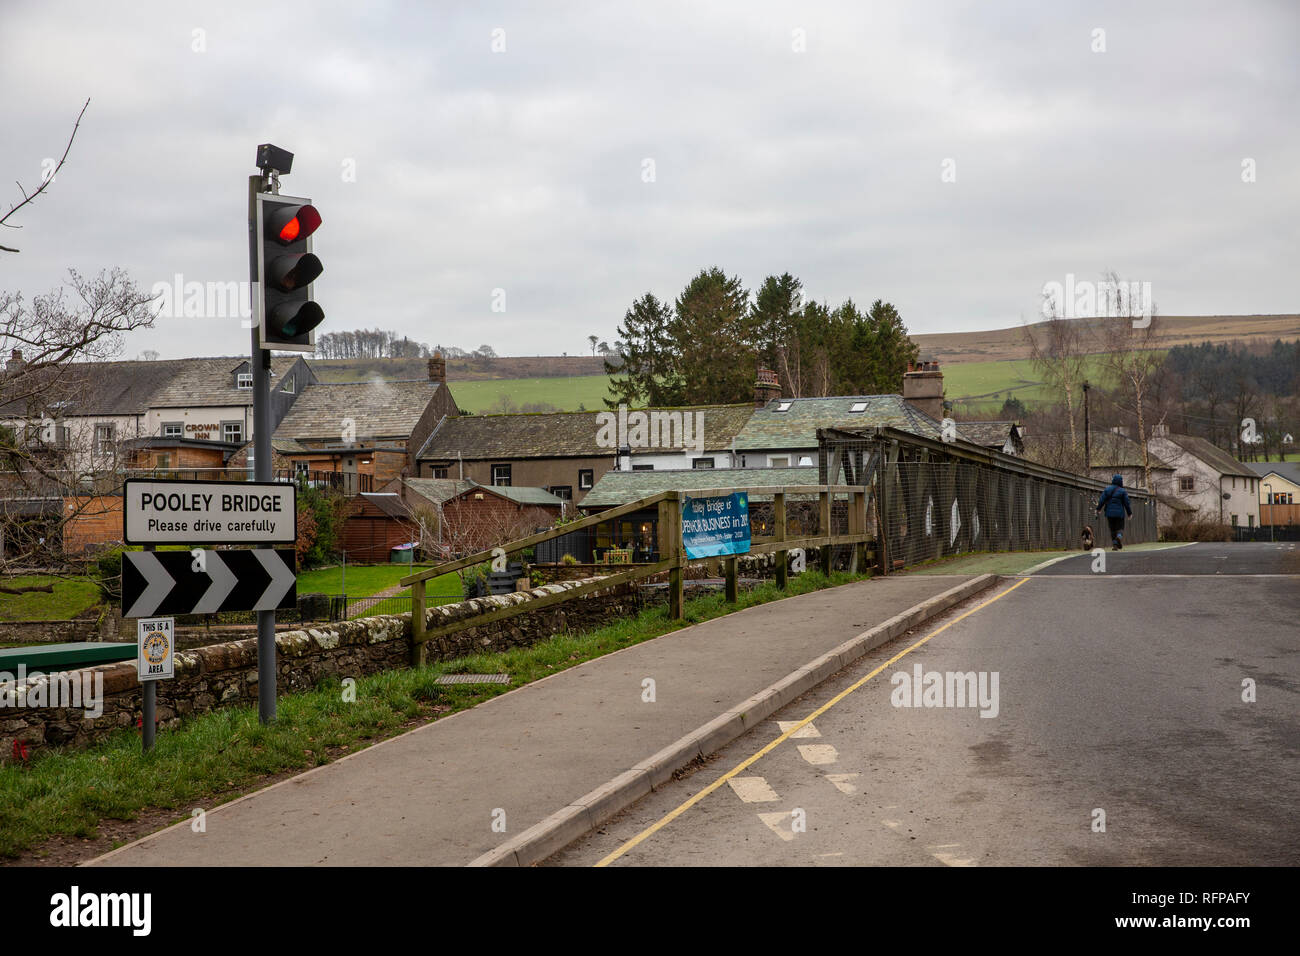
column 419, row 647
column 778, row 519
column 729, row 566
column 670, row 548
column 825, row 520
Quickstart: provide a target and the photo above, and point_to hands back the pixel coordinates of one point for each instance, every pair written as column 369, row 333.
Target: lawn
column 219, row 755
column 364, row 580
column 71, row 596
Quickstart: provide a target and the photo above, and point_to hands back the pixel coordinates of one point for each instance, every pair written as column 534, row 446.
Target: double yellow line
column 750, row 761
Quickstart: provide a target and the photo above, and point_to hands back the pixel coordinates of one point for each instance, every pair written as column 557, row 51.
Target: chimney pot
column 766, row 387
column 438, row 368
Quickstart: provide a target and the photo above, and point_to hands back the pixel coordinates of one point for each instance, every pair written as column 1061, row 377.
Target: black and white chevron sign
column 168, row 582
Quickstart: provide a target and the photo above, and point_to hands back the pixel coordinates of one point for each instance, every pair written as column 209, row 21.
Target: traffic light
column 287, row 315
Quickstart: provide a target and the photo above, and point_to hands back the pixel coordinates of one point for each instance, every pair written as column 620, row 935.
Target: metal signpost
column 155, row 661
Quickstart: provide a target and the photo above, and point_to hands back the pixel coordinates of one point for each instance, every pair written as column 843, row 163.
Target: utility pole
column 1087, row 445
column 268, row 181
column 281, row 268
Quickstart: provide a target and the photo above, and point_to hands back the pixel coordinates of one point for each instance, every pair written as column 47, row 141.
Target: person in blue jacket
column 1115, row 501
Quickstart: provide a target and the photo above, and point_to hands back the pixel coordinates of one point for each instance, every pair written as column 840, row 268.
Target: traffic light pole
column 261, row 457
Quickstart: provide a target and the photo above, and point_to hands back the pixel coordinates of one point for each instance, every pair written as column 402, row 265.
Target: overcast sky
column 803, row 137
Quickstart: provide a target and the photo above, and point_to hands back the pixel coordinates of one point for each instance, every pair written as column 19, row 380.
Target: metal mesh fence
column 932, row 505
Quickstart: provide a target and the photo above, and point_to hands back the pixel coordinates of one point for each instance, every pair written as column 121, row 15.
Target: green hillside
column 566, row 394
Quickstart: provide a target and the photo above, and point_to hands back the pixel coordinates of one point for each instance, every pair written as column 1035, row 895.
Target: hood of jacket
column 1117, row 480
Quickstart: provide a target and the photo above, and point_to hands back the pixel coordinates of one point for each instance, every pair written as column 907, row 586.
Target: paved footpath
column 432, row 796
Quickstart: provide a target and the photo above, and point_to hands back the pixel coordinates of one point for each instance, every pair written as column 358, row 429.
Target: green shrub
column 107, row 572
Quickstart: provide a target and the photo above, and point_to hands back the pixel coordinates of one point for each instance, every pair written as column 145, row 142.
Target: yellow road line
column 741, row 767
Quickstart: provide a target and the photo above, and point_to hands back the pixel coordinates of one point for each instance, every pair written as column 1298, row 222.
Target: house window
column 232, row 431
column 173, row 430
column 288, row 385
column 104, row 439
column 1234, row 521
column 1184, row 482
column 562, row 491
column 301, row 467
column 701, row 462
column 164, row 462
column 440, row 471
column 805, row 460
column 501, row 475
column 244, row 380
column 781, row 462
column 643, row 467
column 585, row 478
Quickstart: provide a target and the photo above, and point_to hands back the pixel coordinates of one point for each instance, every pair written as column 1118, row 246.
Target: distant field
column 566, row 394
column 1171, row 330
column 982, row 387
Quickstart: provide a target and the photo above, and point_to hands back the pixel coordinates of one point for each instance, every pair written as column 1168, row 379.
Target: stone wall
column 60, row 632
column 226, row 674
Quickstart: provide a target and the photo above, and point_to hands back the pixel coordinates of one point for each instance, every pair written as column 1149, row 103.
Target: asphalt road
column 1119, row 701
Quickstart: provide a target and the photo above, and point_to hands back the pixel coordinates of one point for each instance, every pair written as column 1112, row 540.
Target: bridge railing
column 939, row 499
column 825, row 517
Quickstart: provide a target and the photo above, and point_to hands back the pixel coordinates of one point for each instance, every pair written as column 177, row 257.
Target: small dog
column 1087, row 537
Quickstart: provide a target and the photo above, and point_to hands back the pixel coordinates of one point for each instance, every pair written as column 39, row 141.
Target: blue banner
column 716, row 525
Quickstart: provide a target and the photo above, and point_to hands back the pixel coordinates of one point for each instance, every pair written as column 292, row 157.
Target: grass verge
column 215, row 757
column 70, row 597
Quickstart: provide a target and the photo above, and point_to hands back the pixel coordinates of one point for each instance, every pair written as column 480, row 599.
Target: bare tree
column 30, row 197
column 1059, row 353
column 46, row 377
column 1129, row 333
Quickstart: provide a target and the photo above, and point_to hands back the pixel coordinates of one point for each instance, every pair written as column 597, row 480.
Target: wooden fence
column 671, row 552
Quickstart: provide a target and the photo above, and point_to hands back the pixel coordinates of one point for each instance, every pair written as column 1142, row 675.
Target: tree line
column 706, row 347
column 386, row 343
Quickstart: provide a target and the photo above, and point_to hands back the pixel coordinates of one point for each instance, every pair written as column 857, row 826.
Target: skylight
column 783, row 406
column 858, row 407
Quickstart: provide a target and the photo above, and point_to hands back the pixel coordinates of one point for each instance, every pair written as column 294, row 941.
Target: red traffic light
column 291, row 223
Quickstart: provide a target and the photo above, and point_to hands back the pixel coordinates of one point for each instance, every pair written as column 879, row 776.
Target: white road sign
column 209, row 512
column 156, row 659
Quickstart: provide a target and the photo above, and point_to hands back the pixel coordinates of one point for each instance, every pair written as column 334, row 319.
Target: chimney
column 438, row 369
column 15, row 362
column 923, row 388
column 766, row 387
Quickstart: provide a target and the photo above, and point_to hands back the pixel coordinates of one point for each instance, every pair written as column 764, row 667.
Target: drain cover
column 473, row 679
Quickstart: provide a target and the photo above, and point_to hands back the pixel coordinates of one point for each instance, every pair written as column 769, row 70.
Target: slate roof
column 133, row 387
column 987, row 434
column 1212, row 455
column 619, row 487
column 797, row 427
column 379, row 409
column 211, row 381
column 440, row 490
column 1106, row 450
column 1290, row 470
column 559, row 434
